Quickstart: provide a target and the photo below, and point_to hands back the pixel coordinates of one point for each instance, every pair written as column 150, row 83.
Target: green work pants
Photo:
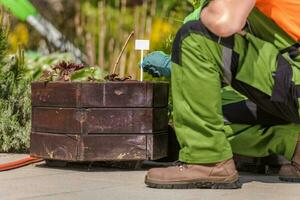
column 197, row 76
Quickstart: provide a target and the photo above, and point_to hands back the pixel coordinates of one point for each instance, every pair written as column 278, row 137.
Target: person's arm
column 226, row 17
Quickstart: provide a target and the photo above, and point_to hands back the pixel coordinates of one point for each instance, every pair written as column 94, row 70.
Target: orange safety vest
column 285, row 13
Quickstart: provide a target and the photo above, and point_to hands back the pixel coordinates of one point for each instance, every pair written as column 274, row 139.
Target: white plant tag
column 142, row 44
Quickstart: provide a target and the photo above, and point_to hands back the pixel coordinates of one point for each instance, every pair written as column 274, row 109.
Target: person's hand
column 157, row 64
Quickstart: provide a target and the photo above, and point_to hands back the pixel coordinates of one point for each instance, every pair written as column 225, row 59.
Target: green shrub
column 15, row 109
column 15, row 104
column 14, row 99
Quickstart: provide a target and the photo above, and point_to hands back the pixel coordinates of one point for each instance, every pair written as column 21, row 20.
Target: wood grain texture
column 111, row 121
column 98, row 147
column 100, row 120
column 130, row 94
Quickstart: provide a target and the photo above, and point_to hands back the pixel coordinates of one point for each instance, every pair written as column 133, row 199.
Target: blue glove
column 157, row 64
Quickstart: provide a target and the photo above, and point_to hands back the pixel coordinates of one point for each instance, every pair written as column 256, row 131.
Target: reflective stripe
column 226, row 121
column 227, row 63
column 252, row 108
column 229, row 57
column 196, row 27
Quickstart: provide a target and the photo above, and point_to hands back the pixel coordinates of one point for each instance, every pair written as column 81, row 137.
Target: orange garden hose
column 19, row 163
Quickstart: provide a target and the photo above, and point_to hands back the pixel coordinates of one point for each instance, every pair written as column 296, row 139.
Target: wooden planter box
column 99, row 121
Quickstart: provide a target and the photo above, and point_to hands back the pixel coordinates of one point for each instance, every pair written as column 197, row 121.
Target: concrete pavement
column 39, row 182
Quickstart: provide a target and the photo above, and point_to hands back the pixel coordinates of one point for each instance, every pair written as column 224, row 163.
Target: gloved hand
column 157, row 64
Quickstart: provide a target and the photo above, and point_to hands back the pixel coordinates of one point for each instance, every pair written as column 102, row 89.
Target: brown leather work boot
column 291, row 172
column 222, row 175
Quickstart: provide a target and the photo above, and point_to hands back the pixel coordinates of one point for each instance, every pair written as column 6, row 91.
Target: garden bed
column 99, row 121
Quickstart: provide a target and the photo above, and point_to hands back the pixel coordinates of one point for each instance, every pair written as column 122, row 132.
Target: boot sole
column 194, row 185
column 290, row 179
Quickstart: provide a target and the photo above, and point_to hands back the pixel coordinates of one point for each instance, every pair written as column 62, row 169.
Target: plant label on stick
column 142, row 45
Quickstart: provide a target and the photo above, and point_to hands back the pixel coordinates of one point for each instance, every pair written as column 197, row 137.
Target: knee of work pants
column 252, row 66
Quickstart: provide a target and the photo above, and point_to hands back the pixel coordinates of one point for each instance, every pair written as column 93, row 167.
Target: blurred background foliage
column 98, row 27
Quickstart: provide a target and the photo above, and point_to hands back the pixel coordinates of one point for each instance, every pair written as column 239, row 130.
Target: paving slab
column 39, row 182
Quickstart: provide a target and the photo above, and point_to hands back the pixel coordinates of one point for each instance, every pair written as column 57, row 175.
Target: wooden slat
column 160, row 94
column 131, row 94
column 157, row 146
column 160, row 119
column 98, row 147
column 113, row 147
column 92, row 95
column 53, row 146
column 99, row 121
column 124, row 120
column 55, row 120
column 136, row 94
column 58, row 94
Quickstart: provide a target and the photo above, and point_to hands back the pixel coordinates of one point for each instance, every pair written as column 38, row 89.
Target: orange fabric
column 286, row 13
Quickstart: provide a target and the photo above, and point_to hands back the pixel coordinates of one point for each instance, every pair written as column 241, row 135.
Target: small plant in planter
column 65, row 69
column 115, row 77
column 69, row 71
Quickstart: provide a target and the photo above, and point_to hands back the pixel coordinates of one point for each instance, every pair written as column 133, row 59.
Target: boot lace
column 180, row 164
